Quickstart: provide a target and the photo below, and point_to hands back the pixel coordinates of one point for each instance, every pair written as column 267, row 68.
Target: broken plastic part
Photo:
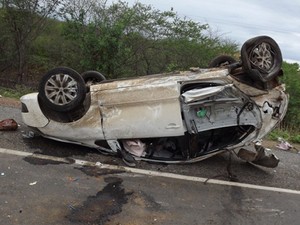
column 198, row 94
column 33, row 183
column 201, row 113
column 260, row 157
column 267, row 108
column 28, row 134
column 114, row 145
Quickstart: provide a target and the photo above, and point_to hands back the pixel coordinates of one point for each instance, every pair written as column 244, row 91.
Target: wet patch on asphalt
column 41, row 161
column 146, row 201
column 115, row 204
column 97, row 172
column 106, row 203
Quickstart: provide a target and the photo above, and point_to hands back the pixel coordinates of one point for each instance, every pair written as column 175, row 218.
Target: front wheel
column 62, row 89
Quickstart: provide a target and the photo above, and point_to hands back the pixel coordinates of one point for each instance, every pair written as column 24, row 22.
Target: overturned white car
column 171, row 118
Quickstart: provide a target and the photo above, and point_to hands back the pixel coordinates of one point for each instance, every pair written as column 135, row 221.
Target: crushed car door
column 140, row 108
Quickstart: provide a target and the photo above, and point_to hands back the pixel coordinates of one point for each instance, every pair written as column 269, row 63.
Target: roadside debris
column 98, row 164
column 283, row 145
column 259, row 156
column 33, row 183
column 8, row 125
column 71, row 207
column 72, row 179
column 28, row 134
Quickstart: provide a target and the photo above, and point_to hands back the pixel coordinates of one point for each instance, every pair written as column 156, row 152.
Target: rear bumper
column 32, row 114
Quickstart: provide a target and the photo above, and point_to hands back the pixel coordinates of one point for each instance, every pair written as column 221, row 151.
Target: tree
column 25, row 19
column 118, row 39
column 292, row 80
column 115, row 39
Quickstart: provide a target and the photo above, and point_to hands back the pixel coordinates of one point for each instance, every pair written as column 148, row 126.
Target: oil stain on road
column 116, row 204
column 106, row 203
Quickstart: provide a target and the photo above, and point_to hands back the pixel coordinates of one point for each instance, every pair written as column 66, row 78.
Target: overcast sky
column 239, row 20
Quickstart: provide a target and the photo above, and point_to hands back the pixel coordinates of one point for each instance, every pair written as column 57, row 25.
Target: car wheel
column 62, row 89
column 261, row 58
column 222, row 60
column 92, row 77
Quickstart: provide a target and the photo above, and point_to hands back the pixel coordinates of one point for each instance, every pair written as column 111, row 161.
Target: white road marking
column 150, row 173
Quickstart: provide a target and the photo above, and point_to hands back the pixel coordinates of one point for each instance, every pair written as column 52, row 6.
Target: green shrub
column 295, row 138
column 275, row 134
column 15, row 93
column 290, row 136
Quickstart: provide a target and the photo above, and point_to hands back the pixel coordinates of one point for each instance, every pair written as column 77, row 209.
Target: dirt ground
column 11, row 102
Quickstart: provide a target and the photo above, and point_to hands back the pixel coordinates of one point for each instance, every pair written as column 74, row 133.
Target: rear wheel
column 92, row 77
column 222, row 60
column 261, row 58
column 62, row 89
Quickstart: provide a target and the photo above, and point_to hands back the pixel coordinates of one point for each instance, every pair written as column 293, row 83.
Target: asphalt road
column 55, row 193
column 40, row 191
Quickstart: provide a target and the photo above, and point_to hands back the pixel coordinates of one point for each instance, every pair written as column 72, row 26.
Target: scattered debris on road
column 260, row 156
column 8, row 125
column 283, row 145
column 28, row 134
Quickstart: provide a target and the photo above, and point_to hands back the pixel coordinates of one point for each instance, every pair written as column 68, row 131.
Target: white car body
column 151, row 106
column 192, row 114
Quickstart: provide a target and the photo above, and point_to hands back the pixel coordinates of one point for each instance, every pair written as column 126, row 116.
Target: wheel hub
column 61, row 89
column 262, row 57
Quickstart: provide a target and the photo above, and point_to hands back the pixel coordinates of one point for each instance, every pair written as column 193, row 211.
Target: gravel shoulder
column 10, row 102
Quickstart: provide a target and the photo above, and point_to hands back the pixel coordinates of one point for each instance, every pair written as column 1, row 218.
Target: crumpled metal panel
column 271, row 103
column 199, row 94
column 258, row 155
column 141, row 111
column 273, row 106
column 160, row 79
column 146, row 106
column 85, row 130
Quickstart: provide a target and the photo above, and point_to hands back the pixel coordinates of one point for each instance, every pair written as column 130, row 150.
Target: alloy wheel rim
column 262, row 57
column 61, row 89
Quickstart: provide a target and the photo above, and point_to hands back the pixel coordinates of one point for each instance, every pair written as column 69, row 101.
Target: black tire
column 92, row 77
column 62, row 89
column 220, row 61
column 261, row 58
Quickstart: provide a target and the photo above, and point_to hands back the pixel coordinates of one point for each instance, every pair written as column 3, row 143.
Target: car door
column 140, row 108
